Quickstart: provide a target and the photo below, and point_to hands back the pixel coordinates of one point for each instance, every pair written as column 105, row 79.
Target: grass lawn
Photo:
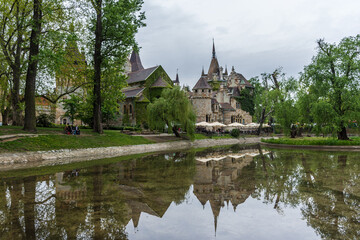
column 329, row 141
column 55, row 139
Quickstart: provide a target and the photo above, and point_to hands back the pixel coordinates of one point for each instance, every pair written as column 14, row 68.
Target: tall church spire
column 214, row 64
column 213, row 51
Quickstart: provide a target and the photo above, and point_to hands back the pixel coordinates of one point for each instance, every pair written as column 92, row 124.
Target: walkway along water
column 65, row 156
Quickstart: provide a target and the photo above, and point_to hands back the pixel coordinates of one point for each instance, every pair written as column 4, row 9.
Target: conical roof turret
column 135, row 62
column 214, row 65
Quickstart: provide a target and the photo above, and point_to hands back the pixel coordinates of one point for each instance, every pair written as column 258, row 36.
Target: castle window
column 130, row 109
column 202, row 90
column 243, row 121
column 125, row 109
column 209, row 91
column 196, row 90
column 238, row 105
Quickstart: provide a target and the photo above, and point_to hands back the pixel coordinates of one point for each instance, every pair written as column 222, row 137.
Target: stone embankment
column 31, row 159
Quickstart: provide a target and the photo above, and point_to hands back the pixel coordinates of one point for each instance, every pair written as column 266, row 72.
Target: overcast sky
column 253, row 36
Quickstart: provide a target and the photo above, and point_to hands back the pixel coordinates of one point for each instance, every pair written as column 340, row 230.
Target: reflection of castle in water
column 217, row 177
column 221, row 179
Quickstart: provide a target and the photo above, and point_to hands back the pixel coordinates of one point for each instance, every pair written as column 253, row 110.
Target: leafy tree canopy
column 331, row 81
column 173, row 109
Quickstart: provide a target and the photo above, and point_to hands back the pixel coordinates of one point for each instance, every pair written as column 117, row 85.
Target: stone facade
column 214, row 95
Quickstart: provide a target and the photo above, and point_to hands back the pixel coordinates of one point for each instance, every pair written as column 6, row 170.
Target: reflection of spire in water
column 223, row 179
column 215, row 223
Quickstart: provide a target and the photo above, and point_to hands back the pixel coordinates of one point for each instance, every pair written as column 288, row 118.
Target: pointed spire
column 213, row 51
column 177, row 77
column 202, row 72
column 226, row 71
column 135, row 61
column 215, row 223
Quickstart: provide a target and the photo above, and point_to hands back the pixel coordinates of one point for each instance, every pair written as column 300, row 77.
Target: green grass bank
column 318, row 141
column 54, row 139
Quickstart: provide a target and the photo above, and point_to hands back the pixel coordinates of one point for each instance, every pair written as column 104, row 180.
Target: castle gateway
column 215, row 95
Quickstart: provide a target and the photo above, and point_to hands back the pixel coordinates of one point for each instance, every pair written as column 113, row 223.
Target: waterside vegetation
column 54, row 139
column 320, row 141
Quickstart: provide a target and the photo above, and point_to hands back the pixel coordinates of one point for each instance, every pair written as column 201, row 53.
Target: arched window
column 125, row 109
column 130, row 109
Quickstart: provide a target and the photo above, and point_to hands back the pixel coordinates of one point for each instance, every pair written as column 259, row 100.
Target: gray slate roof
column 243, row 80
column 140, row 75
column 160, row 82
column 226, row 107
column 132, row 93
column 202, row 84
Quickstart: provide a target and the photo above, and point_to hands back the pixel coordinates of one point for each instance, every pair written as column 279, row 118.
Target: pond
column 237, row 192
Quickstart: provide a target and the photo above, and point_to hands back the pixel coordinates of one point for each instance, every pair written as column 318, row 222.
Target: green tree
column 173, row 109
column 114, row 25
column 275, row 98
column 14, row 41
column 71, row 107
column 246, row 99
column 332, row 82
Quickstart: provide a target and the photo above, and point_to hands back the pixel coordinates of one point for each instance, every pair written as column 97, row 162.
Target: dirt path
column 13, row 137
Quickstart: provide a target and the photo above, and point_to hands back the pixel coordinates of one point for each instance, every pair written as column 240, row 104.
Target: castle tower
column 214, row 65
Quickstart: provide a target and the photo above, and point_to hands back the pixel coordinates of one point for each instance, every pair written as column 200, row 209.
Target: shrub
column 235, row 133
column 45, row 120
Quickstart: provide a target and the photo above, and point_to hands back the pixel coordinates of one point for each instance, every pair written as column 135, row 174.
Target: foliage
column 113, row 27
column 72, row 106
column 45, row 120
column 172, row 109
column 246, row 99
column 330, row 141
column 235, row 133
column 274, row 98
column 331, row 81
column 141, row 114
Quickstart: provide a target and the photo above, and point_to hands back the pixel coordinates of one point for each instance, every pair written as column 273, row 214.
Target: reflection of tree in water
column 96, row 204
column 323, row 185
column 332, row 207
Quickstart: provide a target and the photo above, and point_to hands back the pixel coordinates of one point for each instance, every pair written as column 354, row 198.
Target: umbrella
column 202, row 124
column 235, row 124
column 216, row 124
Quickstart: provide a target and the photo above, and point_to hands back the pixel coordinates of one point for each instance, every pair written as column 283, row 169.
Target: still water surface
column 225, row 193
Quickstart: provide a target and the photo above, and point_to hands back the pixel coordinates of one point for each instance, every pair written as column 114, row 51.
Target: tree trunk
column 175, row 131
column 262, row 119
column 342, row 135
column 30, row 115
column 293, row 131
column 16, row 68
column 97, row 202
column 15, row 98
column 97, row 69
column 29, row 207
column 5, row 116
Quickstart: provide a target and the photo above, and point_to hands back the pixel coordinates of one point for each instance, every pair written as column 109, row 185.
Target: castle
column 215, row 95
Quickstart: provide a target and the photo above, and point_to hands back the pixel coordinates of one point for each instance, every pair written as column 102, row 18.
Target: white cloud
column 255, row 36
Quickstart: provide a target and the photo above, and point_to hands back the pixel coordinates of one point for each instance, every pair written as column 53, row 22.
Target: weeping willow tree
column 172, row 109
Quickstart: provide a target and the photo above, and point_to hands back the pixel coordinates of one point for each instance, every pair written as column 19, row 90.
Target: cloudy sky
column 253, row 36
